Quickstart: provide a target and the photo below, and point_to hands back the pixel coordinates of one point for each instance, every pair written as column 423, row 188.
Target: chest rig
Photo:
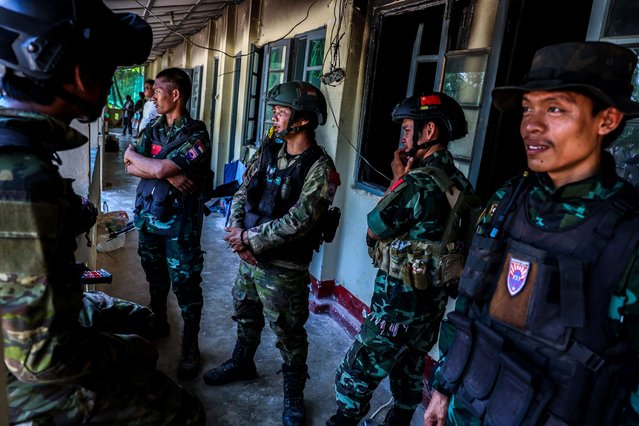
column 537, row 346
column 270, row 194
column 157, row 196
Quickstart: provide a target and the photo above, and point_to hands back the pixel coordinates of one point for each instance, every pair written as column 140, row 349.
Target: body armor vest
column 537, row 346
column 272, row 192
column 158, row 196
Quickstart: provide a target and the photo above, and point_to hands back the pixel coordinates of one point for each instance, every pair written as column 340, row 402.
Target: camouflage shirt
column 416, row 205
column 40, row 290
column 193, row 158
column 317, row 195
column 557, row 208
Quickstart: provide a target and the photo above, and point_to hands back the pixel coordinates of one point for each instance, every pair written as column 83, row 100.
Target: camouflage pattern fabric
column 277, row 288
column 557, row 208
column 317, row 196
column 174, row 242
column 403, row 323
column 282, row 296
column 59, row 369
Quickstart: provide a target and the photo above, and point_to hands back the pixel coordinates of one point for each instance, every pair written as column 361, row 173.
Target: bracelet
column 242, row 236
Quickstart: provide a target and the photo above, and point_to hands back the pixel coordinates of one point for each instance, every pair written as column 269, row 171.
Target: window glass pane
column 313, row 77
column 623, row 19
column 463, row 148
column 425, row 77
column 464, row 78
column 626, row 152
column 316, row 53
column 276, row 59
column 635, row 80
column 274, row 79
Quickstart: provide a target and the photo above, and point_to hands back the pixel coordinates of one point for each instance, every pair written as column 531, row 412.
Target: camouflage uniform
column 403, row 323
column 557, row 209
column 63, row 367
column 169, row 248
column 279, row 288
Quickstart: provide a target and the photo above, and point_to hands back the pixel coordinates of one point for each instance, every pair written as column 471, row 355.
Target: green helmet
column 299, row 96
column 437, row 107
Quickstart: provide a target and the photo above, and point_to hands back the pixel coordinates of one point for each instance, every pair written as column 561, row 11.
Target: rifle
column 129, row 227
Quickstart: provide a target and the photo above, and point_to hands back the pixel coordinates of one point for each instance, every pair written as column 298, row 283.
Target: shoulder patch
column 399, row 182
column 195, row 151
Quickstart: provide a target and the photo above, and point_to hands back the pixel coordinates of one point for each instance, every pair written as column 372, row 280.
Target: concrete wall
column 260, row 22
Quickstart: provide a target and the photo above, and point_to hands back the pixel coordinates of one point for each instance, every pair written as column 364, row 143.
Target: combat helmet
column 437, row 107
column 38, row 35
column 299, row 96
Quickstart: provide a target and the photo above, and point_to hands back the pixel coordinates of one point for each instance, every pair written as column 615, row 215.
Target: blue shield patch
column 517, row 275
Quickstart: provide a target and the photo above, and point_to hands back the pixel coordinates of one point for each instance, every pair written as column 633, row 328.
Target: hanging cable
column 308, row 11
column 357, row 151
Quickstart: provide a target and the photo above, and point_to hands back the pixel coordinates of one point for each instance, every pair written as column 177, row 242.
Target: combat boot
column 394, row 417
column 241, row 366
column 340, row 419
column 294, row 413
column 190, row 357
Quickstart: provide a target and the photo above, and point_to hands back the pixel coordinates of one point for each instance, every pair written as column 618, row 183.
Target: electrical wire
column 308, row 11
column 390, row 401
column 357, row 151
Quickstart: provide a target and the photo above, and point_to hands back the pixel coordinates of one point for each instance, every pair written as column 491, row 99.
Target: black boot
column 294, row 413
column 394, row 417
column 340, row 419
column 241, row 366
column 190, row 357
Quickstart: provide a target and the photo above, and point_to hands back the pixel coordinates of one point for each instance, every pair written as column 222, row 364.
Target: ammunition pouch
column 158, row 197
column 419, row 264
column 493, row 384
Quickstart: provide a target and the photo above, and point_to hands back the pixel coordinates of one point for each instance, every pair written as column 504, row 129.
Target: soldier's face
column 281, row 117
column 408, row 127
column 165, row 96
column 148, row 90
column 561, row 135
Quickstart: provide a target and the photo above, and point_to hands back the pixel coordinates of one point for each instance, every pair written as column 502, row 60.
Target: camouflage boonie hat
column 602, row 69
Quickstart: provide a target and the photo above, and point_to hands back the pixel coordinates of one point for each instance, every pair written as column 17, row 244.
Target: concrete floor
column 256, row 402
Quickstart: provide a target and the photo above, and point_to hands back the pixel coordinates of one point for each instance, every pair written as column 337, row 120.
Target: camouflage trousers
column 401, row 328
column 173, row 262
column 282, row 296
column 134, row 397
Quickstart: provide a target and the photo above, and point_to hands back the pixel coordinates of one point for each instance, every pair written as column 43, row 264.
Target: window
column 617, row 21
column 430, row 47
column 300, row 58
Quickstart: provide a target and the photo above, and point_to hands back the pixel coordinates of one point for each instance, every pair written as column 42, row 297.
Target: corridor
column 256, row 402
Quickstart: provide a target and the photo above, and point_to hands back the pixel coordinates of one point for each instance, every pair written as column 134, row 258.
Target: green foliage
column 126, row 81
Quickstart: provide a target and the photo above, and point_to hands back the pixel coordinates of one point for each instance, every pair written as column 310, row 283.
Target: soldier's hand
column 400, row 165
column 130, row 150
column 247, row 256
column 437, row 410
column 182, row 183
column 234, row 238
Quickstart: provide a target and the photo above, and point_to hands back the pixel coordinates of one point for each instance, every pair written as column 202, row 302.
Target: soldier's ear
column 610, row 119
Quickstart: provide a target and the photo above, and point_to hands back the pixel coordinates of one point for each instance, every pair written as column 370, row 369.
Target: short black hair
column 149, row 81
column 179, row 78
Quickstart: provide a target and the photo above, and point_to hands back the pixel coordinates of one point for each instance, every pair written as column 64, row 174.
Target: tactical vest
column 537, row 346
column 158, row 196
column 422, row 264
column 272, row 192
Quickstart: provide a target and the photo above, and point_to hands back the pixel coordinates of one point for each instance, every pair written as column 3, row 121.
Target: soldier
column 413, row 237
column 544, row 331
column 274, row 226
column 63, row 368
column 173, row 159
